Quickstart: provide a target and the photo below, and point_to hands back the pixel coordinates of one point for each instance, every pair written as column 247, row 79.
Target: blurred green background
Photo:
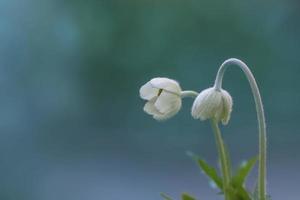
column 71, row 120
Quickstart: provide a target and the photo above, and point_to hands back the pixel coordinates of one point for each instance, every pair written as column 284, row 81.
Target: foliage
column 236, row 189
column 184, row 196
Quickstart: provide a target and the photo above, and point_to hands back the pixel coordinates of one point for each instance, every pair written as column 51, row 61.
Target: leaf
column 186, row 196
column 238, row 193
column 165, row 197
column 210, row 172
column 240, row 176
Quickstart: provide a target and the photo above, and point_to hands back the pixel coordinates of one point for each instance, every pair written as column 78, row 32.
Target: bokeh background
column 71, row 120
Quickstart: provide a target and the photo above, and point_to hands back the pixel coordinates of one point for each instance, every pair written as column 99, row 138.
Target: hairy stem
column 223, row 157
column 260, row 118
column 189, row 93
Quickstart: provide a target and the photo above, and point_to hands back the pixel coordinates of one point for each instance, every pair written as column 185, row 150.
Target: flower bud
column 163, row 98
column 212, row 103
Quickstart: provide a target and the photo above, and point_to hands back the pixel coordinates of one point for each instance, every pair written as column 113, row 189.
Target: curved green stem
column 223, row 157
column 188, row 93
column 260, row 118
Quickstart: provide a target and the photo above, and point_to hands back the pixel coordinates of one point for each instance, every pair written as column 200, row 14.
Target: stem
column 223, row 157
column 260, row 119
column 189, row 93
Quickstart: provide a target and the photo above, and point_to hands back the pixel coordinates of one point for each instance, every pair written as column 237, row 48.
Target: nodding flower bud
column 163, row 97
column 213, row 103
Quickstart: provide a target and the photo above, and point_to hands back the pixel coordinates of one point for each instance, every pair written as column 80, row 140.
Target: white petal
column 212, row 103
column 150, row 108
column 147, row 91
column 227, row 103
column 167, row 102
column 215, row 105
column 161, row 117
column 198, row 105
column 166, row 84
column 207, row 104
column 166, row 115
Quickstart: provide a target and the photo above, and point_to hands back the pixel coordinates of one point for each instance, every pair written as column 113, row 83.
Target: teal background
column 71, row 120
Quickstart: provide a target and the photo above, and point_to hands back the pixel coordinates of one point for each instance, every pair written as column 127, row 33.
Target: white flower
column 163, row 96
column 212, row 103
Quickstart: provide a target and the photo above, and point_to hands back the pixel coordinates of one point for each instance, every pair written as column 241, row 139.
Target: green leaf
column 238, row 193
column 210, row 172
column 186, row 196
column 165, row 197
column 240, row 176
